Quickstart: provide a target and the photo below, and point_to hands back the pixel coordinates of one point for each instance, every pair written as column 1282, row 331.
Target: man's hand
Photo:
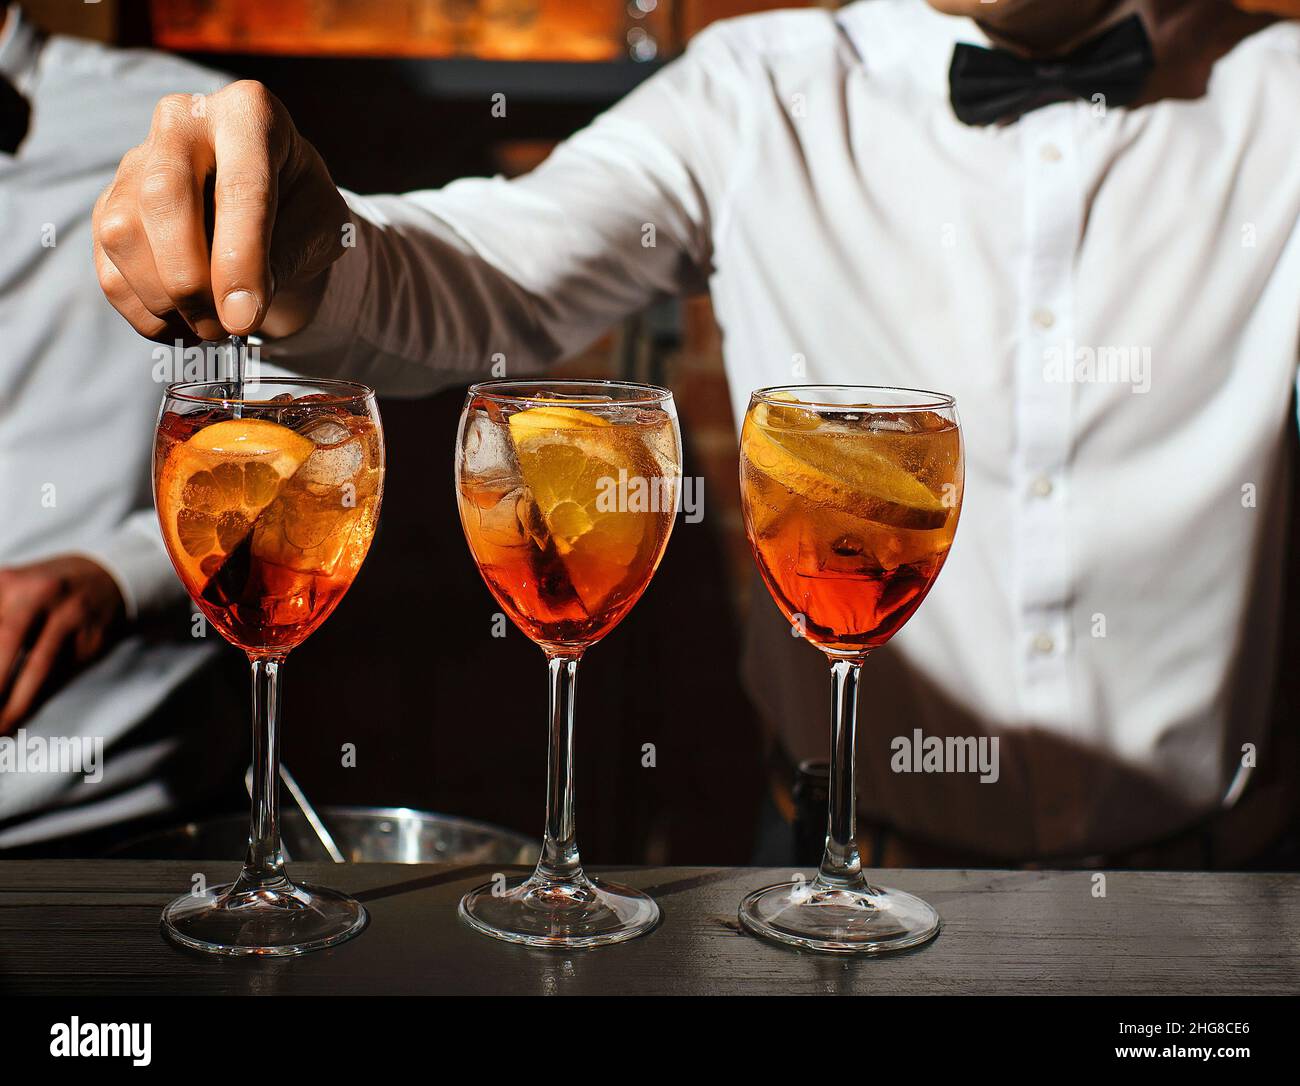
column 277, row 220
column 58, row 614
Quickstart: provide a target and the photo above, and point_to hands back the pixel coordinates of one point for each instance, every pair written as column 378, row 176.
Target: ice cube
column 842, row 545
column 325, row 430
column 488, row 452
column 844, row 556
column 339, row 454
column 305, row 529
column 302, row 413
column 903, row 422
column 888, row 424
column 661, row 443
column 511, row 520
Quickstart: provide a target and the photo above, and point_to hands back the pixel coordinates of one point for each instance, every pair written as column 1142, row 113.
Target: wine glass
column 567, row 493
column 267, row 501
column 851, row 496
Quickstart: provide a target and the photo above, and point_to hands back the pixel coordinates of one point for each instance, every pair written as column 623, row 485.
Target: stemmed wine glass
column 567, row 493
column 851, row 496
column 268, row 499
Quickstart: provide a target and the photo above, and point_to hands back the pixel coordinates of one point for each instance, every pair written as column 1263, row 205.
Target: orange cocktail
column 567, row 508
column 850, row 515
column 268, row 524
column 851, row 496
column 268, row 496
column 567, row 493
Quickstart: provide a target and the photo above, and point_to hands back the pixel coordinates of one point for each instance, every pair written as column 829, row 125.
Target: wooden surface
column 91, row 927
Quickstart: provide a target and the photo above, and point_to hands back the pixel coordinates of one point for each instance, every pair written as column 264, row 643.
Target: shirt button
column 1041, row 487
column 1044, row 318
column 1049, row 152
column 1043, row 644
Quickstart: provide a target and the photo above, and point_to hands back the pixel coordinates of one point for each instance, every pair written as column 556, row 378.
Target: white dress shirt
column 79, row 401
column 1110, row 608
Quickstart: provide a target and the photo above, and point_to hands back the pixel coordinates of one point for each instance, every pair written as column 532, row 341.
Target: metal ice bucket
column 364, row 835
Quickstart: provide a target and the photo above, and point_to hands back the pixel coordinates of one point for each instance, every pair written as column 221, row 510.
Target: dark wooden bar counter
column 91, row 928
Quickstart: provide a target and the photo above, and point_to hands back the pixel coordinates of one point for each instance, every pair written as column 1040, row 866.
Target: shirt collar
column 906, row 44
column 20, row 45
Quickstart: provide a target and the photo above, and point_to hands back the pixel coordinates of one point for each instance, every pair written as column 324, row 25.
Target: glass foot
column 286, row 919
column 570, row 915
column 816, row 916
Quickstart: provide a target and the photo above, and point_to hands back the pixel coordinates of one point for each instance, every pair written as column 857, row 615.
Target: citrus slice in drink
column 571, row 461
column 839, row 469
column 539, row 421
column 213, row 487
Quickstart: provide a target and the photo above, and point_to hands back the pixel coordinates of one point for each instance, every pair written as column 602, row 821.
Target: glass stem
column 264, row 866
column 559, row 861
column 841, row 865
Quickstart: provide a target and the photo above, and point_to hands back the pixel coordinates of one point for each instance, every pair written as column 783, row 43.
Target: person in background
column 1081, row 219
column 94, row 632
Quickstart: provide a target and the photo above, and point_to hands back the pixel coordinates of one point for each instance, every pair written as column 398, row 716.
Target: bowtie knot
column 989, row 85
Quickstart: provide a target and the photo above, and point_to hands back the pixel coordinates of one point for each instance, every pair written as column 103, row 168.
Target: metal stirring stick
column 237, row 374
column 308, row 811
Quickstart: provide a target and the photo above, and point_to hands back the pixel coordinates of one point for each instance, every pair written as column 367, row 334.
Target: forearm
column 412, row 307
column 488, row 277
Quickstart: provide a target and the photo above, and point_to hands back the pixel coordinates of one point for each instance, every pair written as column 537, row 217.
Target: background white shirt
column 78, row 406
column 1110, row 607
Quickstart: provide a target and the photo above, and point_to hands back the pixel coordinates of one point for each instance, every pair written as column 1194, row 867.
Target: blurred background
column 408, row 669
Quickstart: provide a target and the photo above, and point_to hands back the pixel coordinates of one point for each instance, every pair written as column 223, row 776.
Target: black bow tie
column 992, row 84
column 14, row 116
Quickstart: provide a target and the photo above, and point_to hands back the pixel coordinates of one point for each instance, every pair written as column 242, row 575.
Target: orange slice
column 570, row 460
column 837, row 469
column 540, row 421
column 213, row 487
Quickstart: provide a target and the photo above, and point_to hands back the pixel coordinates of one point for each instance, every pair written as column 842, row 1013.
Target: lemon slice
column 839, row 470
column 569, row 460
column 213, row 487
